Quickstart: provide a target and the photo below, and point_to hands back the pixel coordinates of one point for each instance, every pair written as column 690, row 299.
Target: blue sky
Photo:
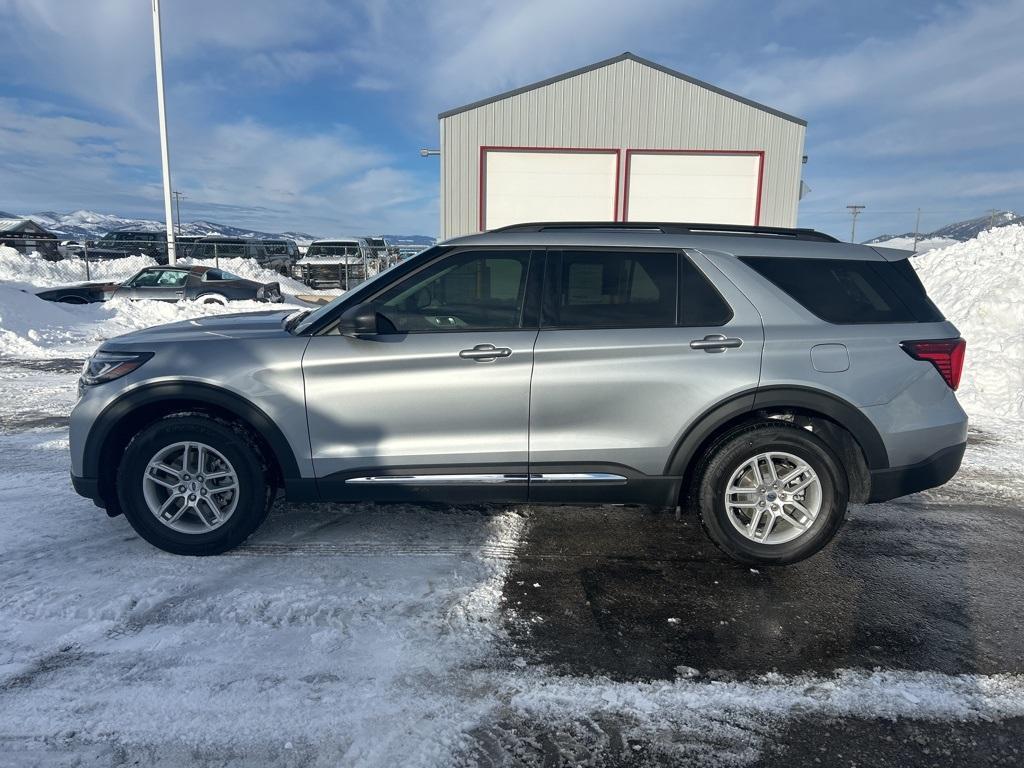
column 309, row 114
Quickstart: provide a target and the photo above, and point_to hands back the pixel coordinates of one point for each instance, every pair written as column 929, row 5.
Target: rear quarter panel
column 914, row 410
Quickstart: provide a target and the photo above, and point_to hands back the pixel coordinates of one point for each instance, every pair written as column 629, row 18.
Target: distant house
column 26, row 236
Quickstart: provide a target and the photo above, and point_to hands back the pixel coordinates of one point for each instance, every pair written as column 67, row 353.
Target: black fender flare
column 195, row 392
column 831, row 406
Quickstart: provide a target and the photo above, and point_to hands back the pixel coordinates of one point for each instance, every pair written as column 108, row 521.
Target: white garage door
column 529, row 185
column 693, row 187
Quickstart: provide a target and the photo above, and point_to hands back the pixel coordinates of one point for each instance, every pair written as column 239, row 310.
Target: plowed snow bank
column 979, row 286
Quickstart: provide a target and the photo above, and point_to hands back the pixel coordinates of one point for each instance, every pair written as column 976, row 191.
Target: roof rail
column 672, row 228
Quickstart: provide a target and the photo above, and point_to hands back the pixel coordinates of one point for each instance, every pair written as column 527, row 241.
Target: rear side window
column 699, row 303
column 848, row 292
column 612, row 289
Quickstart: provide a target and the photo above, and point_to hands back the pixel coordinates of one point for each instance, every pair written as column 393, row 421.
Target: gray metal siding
column 625, row 105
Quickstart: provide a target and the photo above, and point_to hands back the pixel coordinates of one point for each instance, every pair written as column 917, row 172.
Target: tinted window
column 465, row 291
column 172, row 277
column 219, row 274
column 849, row 292
column 145, row 279
column 601, row 289
column 699, row 303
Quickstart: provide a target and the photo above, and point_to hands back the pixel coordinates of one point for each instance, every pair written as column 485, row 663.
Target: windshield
column 310, row 319
column 350, row 249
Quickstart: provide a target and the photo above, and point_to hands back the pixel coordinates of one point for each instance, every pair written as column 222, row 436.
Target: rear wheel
column 213, row 298
column 772, row 494
column 193, row 485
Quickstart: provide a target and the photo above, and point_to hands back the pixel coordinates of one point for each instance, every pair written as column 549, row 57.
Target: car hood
column 105, row 287
column 244, row 325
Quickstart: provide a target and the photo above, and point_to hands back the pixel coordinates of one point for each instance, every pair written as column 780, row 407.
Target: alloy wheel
column 190, row 487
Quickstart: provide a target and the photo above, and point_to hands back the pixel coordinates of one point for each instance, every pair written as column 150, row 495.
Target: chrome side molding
column 578, row 477
column 483, row 479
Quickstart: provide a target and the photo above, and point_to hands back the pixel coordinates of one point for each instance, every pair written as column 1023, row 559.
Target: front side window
column 170, row 278
column 612, row 289
column 463, row 292
column 158, row 278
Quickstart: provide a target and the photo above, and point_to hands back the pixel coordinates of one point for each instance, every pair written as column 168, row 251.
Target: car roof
column 737, row 241
column 197, row 269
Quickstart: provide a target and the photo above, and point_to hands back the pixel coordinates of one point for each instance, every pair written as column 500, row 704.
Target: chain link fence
column 324, row 265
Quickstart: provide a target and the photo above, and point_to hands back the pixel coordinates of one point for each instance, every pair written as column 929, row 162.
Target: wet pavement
column 631, row 594
column 927, row 583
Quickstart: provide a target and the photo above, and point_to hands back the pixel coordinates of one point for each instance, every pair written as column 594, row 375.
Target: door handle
column 485, row 353
column 716, row 342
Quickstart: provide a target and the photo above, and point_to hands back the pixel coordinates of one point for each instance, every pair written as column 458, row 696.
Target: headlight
column 107, row 366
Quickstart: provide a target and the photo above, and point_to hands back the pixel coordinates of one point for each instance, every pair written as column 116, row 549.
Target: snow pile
column 907, row 243
column 28, row 325
column 17, row 267
column 979, row 286
column 35, row 329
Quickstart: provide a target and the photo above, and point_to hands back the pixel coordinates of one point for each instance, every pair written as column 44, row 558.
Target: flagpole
column 164, row 152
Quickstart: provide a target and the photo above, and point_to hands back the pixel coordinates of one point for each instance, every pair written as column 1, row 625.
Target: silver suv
column 762, row 377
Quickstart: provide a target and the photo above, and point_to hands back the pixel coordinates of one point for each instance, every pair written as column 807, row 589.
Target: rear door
column 635, row 345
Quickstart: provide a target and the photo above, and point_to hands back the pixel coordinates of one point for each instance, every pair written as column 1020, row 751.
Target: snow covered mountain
column 959, row 231
column 89, row 225
column 92, row 225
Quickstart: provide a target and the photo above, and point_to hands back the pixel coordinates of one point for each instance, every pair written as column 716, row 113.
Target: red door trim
column 576, row 150
column 760, row 171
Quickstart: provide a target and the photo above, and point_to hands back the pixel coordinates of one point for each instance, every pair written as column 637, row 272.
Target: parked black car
column 204, row 284
column 271, row 254
column 124, row 243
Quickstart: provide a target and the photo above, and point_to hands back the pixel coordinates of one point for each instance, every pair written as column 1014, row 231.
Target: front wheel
column 193, row 485
column 772, row 494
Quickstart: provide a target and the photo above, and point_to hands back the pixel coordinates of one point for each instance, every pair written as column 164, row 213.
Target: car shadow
column 918, row 585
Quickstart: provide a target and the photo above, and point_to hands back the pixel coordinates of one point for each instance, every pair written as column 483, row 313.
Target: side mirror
column 360, row 320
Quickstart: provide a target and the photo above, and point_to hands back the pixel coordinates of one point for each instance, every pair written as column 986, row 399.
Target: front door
column 438, row 406
column 634, row 346
column 158, row 284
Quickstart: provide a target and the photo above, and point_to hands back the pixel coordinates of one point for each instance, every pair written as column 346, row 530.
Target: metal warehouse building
column 621, row 140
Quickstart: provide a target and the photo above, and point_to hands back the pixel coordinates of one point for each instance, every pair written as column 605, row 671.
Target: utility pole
column 854, row 212
column 177, row 209
column 165, row 157
column 917, row 229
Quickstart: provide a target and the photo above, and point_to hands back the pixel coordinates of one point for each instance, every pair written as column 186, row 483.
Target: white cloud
column 963, row 60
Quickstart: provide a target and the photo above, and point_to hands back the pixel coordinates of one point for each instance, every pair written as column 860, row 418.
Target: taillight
column 947, row 355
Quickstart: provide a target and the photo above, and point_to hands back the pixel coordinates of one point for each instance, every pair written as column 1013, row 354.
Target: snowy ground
column 362, row 635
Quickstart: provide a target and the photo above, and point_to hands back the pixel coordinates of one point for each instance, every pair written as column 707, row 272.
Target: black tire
column 255, row 493
column 213, row 298
column 731, row 452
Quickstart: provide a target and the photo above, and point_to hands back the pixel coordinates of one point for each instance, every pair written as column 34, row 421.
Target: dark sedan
column 203, row 284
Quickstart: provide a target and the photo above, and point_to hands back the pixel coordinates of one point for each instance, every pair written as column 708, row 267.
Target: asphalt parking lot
column 929, row 583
